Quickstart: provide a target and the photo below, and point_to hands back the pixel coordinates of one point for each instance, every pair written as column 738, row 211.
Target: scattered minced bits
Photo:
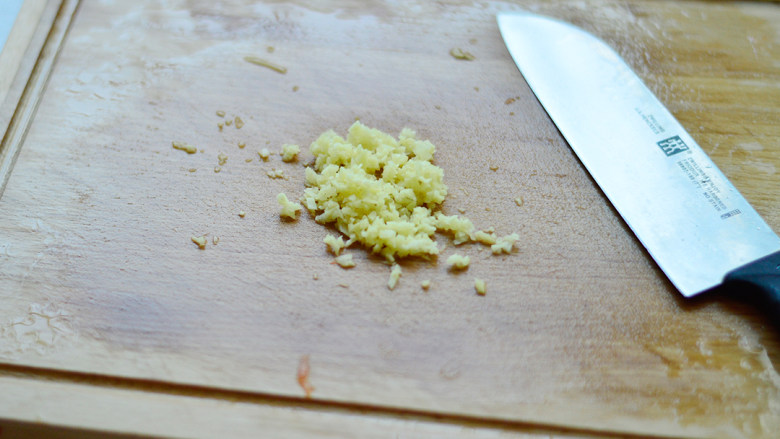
column 289, row 152
column 228, row 122
column 289, row 208
column 264, row 154
column 345, row 260
column 239, row 122
column 222, row 159
column 485, row 237
column 217, row 169
column 275, row 173
column 504, row 244
column 265, row 63
column 335, row 243
column 241, row 145
column 425, row 284
column 519, row 201
column 183, row 146
column 395, row 274
column 459, row 53
column 200, row 241
column 220, row 113
column 479, row 286
column 458, row 262
column 215, row 240
column 241, row 214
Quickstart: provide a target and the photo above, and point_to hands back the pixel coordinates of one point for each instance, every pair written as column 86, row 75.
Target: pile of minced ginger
column 385, row 193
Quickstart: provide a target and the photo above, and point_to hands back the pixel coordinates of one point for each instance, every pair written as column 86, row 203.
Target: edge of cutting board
column 27, row 60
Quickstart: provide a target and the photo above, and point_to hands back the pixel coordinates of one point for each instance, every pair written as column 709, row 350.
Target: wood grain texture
column 579, row 328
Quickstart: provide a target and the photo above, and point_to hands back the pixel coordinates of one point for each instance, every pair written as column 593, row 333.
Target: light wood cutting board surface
column 579, row 329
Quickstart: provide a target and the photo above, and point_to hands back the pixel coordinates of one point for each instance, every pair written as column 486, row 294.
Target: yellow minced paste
column 458, row 262
column 381, row 191
column 479, row 286
column 289, row 209
column 345, row 261
column 290, row 152
column 335, row 243
column 395, row 274
column 505, row 244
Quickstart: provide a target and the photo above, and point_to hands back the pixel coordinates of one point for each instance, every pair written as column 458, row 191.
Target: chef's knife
column 697, row 227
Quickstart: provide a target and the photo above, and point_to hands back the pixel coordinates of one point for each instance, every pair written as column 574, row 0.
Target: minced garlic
column 265, row 63
column 458, row 262
column 183, row 146
column 200, row 241
column 504, row 244
column 264, row 154
column 222, row 159
column 290, row 152
column 459, row 53
column 239, row 122
column 241, row 145
column 460, row 227
column 381, row 191
column 479, row 286
column 395, row 274
column 289, row 209
column 485, row 237
column 335, row 243
column 275, row 173
column 220, row 113
column 425, row 284
column 345, row 261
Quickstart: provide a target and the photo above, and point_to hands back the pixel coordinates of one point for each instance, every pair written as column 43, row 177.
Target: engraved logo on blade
column 672, row 145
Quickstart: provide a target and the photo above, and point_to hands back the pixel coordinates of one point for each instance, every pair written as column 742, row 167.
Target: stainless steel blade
column 693, row 222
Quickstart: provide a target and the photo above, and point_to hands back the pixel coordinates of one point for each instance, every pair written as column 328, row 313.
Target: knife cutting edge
column 694, row 223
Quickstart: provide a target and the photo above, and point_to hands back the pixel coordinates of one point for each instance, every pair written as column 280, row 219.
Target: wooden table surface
column 113, row 322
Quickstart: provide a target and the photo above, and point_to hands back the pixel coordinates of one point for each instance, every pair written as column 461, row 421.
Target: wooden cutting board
column 579, row 329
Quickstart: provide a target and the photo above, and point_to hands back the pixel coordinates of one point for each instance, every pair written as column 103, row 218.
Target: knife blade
column 693, row 222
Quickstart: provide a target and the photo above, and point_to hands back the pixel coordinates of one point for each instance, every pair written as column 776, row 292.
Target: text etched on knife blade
column 650, row 121
column 709, row 189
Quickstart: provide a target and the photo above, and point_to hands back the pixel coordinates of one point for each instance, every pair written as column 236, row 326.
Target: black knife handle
column 763, row 275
